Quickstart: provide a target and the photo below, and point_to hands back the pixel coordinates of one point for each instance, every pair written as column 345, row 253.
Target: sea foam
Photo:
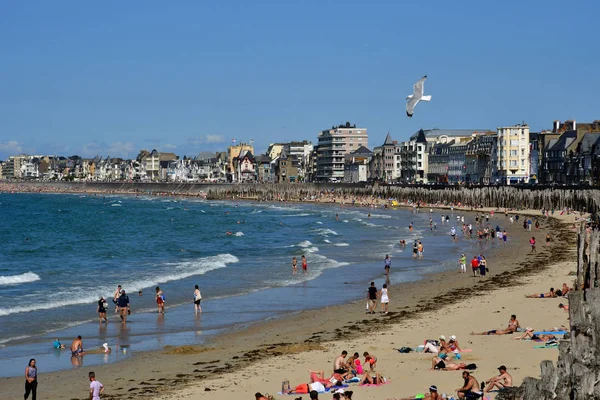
column 17, row 279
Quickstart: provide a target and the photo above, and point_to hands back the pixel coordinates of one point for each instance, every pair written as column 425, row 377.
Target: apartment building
column 333, row 146
column 233, row 152
column 512, row 156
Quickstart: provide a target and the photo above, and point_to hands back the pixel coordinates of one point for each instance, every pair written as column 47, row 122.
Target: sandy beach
column 261, row 357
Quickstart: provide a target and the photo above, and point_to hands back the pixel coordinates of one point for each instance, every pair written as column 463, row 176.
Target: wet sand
column 260, row 357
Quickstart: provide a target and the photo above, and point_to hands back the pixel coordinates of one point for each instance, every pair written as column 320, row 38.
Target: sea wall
column 586, row 200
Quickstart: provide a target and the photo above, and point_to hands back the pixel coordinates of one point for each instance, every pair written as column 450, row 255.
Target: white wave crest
column 327, row 241
column 177, row 271
column 326, row 231
column 17, row 279
column 341, row 244
column 239, row 234
column 319, row 222
column 311, row 249
column 304, row 244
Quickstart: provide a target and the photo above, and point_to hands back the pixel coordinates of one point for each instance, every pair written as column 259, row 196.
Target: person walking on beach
column 294, row 266
column 372, row 298
column 101, row 310
column 420, row 249
column 387, row 263
column 197, row 300
column 96, row 388
column 123, row 304
column 304, row 265
column 160, row 300
column 482, row 266
column 453, row 234
column 31, row 380
column 532, row 243
column 462, row 262
column 385, row 300
column 116, row 298
column 475, row 265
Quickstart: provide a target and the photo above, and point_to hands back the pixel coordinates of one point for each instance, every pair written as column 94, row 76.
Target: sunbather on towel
column 513, row 325
column 440, row 364
column 432, row 395
column 319, row 376
column 317, row 383
column 530, row 335
column 548, row 295
column 374, row 379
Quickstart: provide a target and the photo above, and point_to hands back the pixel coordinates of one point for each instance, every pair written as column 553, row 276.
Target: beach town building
column 333, row 145
column 511, row 154
column 287, row 168
column 152, row 165
column 414, row 153
column 264, row 168
column 568, row 152
column 356, row 167
column 244, row 167
column 233, row 152
column 478, row 158
column 274, row 150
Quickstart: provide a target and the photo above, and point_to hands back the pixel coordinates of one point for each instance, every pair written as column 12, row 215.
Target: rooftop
column 430, row 133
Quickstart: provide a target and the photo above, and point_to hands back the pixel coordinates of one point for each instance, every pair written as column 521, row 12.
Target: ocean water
column 60, row 253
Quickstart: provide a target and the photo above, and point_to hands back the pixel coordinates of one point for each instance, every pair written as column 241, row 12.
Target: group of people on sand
column 345, row 370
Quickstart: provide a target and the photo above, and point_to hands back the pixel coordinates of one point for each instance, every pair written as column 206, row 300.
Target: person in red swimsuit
column 304, row 265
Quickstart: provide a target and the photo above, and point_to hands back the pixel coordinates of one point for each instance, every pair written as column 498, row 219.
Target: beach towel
column 356, row 379
column 546, row 346
column 326, row 390
column 551, row 333
column 376, row 385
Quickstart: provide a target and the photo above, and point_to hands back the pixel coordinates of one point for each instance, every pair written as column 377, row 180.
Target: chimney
column 556, row 125
column 574, row 125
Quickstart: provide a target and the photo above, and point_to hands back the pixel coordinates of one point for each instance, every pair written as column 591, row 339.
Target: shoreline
column 262, row 341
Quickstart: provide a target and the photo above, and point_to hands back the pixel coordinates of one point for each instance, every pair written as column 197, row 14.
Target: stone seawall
column 587, row 200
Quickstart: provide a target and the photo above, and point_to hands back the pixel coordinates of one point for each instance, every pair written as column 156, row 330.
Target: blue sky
column 114, row 77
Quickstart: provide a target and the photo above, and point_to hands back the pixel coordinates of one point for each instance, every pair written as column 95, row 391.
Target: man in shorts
column 372, row 298
column 123, row 303
column 475, row 265
column 304, row 265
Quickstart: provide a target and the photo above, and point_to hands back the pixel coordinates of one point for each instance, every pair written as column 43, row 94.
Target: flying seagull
column 413, row 99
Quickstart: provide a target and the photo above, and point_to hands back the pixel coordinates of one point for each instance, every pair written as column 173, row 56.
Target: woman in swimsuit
column 294, row 266
column 160, row 300
column 375, row 379
column 101, row 309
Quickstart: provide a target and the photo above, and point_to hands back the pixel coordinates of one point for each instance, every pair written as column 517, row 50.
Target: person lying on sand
column 513, row 325
column 501, row 381
column 530, row 335
column 372, row 379
column 317, row 383
column 564, row 307
column 319, row 376
column 548, row 295
column 439, row 364
column 432, row 395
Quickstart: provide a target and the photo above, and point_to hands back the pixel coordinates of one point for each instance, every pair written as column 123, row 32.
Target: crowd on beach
column 349, row 369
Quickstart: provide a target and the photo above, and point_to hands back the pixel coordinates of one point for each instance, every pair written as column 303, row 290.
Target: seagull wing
column 419, row 87
column 410, row 105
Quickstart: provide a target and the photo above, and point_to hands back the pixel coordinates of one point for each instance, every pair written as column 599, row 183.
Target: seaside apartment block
column 333, row 146
column 511, row 154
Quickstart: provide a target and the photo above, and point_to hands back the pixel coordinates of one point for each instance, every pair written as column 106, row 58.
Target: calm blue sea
column 61, row 252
